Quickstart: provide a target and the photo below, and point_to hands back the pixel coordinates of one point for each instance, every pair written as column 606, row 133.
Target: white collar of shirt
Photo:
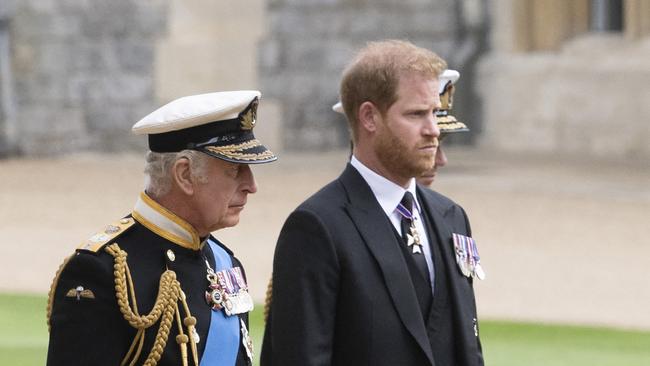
column 387, row 193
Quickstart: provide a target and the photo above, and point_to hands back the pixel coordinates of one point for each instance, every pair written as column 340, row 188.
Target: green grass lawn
column 507, row 343
column 23, row 331
column 23, row 340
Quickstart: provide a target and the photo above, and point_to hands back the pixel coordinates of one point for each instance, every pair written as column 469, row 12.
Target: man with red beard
column 367, row 271
column 447, row 123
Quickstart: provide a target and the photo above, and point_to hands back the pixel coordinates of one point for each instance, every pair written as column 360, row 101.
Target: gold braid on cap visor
column 234, row 151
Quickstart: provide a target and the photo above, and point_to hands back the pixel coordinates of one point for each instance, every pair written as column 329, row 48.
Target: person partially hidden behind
column 368, row 271
column 155, row 287
column 447, row 123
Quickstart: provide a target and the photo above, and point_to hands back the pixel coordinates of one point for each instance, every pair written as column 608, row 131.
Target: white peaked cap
column 338, row 108
column 195, row 110
column 219, row 124
column 447, row 76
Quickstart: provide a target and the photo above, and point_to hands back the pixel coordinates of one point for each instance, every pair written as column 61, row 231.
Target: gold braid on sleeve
column 165, row 310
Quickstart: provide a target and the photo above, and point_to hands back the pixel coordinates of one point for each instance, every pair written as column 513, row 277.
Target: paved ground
column 561, row 241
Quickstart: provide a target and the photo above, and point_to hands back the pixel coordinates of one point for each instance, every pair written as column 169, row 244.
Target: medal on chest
column 467, row 257
column 413, row 239
column 228, row 291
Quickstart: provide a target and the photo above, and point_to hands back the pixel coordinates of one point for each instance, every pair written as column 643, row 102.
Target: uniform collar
column 165, row 223
column 387, row 193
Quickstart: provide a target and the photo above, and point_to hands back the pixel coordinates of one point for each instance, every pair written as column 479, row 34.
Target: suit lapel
column 460, row 289
column 440, row 229
column 365, row 212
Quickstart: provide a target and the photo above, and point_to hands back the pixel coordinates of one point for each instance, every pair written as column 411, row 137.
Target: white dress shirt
column 389, row 195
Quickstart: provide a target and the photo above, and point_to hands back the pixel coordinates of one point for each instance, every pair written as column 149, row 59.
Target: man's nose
column 248, row 183
column 431, row 126
column 441, row 158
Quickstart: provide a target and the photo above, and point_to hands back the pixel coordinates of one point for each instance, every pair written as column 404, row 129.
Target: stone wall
column 82, row 72
column 565, row 87
column 309, row 42
column 591, row 99
column 211, row 45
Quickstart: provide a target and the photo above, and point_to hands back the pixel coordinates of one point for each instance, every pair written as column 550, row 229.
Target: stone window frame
column 544, row 25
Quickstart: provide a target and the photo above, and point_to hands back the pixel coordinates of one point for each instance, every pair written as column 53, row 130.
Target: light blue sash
column 222, row 345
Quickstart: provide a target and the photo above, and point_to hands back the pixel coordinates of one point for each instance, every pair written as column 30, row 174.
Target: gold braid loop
column 164, row 294
column 164, row 309
column 181, row 338
column 161, row 338
column 51, row 293
column 269, row 299
column 190, row 324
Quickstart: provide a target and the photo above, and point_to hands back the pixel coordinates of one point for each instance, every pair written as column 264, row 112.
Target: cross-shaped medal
column 413, row 239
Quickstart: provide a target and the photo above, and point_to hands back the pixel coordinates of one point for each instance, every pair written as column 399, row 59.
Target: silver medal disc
column 478, row 271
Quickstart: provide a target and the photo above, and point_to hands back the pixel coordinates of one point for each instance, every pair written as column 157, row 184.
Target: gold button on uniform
column 171, row 255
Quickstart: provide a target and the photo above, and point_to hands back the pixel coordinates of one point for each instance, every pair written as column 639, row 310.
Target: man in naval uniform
column 367, row 271
column 447, row 123
column 156, row 287
column 453, row 214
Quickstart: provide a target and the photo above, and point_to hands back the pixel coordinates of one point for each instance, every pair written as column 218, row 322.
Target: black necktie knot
column 407, row 201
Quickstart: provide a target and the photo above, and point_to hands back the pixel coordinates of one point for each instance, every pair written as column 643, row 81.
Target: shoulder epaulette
column 112, row 231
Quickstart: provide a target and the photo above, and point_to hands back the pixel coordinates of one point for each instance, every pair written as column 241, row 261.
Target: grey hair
column 157, row 168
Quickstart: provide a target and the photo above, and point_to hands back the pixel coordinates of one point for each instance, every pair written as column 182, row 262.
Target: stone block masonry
column 309, row 43
column 83, row 72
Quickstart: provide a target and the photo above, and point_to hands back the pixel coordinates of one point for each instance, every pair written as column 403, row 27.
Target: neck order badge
column 405, row 208
column 410, row 233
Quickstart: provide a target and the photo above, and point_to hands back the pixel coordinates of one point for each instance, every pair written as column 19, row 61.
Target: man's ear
column 182, row 176
column 368, row 116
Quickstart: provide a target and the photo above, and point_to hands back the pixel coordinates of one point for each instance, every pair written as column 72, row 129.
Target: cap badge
column 250, row 116
column 447, row 97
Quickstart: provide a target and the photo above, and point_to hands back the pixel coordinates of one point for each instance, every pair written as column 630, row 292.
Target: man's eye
column 232, row 170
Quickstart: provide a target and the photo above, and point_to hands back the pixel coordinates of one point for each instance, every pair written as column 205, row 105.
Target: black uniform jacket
column 87, row 327
column 342, row 293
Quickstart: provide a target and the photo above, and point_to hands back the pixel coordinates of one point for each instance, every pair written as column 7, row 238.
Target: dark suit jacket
column 342, row 293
